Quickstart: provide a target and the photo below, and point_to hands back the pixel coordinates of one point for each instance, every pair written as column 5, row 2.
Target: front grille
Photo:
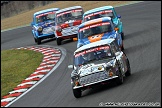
column 91, row 78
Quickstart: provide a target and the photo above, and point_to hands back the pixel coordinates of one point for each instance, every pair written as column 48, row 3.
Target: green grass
column 16, row 65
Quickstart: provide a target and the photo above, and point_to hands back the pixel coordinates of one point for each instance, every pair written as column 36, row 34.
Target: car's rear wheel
column 119, row 80
column 128, row 73
column 77, row 93
column 58, row 41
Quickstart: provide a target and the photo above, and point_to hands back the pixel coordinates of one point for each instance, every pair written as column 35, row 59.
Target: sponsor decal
column 101, row 12
column 92, row 50
column 95, row 38
column 77, row 10
column 95, row 25
column 44, row 14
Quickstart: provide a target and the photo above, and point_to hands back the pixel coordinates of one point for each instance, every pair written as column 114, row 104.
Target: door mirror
column 70, row 66
column 119, row 16
column 116, row 28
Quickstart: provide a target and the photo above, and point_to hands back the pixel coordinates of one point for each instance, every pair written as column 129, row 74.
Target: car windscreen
column 99, row 14
column 93, row 54
column 95, row 29
column 45, row 17
column 67, row 16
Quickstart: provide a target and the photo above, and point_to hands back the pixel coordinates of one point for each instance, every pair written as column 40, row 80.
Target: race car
column 96, row 30
column 67, row 22
column 43, row 24
column 98, row 63
column 105, row 11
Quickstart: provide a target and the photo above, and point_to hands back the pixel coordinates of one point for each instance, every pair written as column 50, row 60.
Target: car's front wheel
column 38, row 40
column 128, row 73
column 58, row 41
column 35, row 40
column 77, row 93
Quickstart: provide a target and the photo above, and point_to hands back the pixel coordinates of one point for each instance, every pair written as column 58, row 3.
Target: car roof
column 46, row 10
column 94, row 21
column 69, row 8
column 94, row 44
column 97, row 9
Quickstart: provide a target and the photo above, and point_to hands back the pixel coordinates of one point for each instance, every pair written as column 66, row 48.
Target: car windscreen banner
column 92, row 50
column 77, row 10
column 94, row 25
column 101, row 12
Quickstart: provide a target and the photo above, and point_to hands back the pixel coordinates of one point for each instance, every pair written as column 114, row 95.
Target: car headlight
column 58, row 28
column 98, row 68
column 101, row 68
column 40, row 28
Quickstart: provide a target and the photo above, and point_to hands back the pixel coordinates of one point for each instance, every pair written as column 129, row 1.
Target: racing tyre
column 38, row 41
column 35, row 40
column 77, row 93
column 58, row 41
column 128, row 73
column 119, row 80
column 122, row 35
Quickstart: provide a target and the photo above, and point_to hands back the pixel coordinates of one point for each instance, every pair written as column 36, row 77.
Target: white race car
column 67, row 21
column 97, row 63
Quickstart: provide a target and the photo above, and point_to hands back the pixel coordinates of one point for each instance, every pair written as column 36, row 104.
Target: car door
column 119, row 56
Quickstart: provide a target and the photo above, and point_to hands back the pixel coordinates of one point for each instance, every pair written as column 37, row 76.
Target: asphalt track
column 142, row 27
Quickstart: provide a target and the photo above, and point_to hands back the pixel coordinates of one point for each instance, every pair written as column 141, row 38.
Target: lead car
column 97, row 63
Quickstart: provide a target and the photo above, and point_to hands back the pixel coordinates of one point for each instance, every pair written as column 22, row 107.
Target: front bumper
column 45, row 35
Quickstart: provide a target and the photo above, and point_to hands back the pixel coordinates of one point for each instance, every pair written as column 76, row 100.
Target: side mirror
column 70, row 66
column 117, row 53
column 119, row 16
column 116, row 29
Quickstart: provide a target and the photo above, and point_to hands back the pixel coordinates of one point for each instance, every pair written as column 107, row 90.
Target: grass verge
column 16, row 65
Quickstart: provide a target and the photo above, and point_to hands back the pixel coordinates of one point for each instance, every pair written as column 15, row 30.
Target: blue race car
column 43, row 24
column 105, row 11
column 96, row 30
